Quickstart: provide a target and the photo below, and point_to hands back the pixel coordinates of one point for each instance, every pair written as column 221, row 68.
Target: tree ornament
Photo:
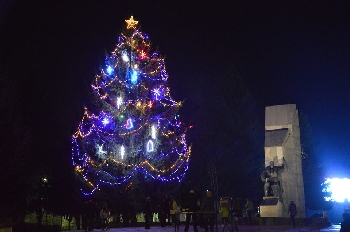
column 153, row 132
column 122, row 152
column 110, row 70
column 105, row 121
column 119, row 102
column 125, row 57
column 131, row 23
column 100, row 152
column 150, row 146
column 138, row 105
column 142, row 55
column 158, row 93
column 133, row 77
column 129, row 124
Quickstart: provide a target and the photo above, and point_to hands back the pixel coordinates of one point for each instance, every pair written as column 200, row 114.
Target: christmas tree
column 137, row 128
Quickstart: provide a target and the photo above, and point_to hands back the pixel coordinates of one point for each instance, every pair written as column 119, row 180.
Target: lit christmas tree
column 137, row 129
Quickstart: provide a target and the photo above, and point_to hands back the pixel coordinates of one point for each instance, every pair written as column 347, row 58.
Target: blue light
column 110, row 70
column 134, row 77
column 340, row 189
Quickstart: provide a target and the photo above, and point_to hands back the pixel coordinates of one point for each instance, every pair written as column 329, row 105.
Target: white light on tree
column 100, row 151
column 105, row 121
column 340, row 189
column 125, row 57
column 122, row 152
column 119, row 102
column 153, row 132
column 150, row 146
column 156, row 92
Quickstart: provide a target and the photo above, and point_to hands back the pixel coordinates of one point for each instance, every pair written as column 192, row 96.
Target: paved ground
column 240, row 228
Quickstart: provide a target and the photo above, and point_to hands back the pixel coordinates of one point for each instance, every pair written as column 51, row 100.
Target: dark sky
column 287, row 51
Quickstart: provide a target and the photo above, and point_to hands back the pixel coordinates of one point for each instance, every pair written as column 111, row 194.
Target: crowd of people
column 201, row 212
column 198, row 211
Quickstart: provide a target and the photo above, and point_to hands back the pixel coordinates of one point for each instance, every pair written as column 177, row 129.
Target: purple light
column 129, row 124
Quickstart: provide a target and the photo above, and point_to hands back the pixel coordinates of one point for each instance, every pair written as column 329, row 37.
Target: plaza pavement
column 244, row 228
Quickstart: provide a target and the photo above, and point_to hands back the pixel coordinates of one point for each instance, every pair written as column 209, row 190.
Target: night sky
column 288, row 52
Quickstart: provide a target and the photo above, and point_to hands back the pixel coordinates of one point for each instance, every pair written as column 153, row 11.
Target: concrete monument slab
column 283, row 175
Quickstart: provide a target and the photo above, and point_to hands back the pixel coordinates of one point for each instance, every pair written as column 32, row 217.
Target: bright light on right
column 340, row 189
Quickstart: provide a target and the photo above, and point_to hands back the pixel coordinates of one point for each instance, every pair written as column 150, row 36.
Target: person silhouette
column 292, row 210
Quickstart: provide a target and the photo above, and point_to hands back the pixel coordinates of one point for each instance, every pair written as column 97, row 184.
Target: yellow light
column 131, row 23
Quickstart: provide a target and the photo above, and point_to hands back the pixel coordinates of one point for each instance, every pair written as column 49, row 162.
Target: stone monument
column 283, row 175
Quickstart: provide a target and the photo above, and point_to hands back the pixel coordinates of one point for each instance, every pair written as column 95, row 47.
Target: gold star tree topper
column 131, row 23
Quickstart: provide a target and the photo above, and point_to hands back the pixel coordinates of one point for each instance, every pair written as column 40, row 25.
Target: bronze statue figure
column 271, row 177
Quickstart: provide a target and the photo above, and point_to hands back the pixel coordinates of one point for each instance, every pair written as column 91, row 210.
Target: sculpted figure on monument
column 271, row 177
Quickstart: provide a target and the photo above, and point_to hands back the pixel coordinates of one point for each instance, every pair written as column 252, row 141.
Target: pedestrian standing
column 90, row 214
column 250, row 209
column 292, row 210
column 168, row 216
column 346, row 205
column 208, row 208
column 345, row 225
column 191, row 207
column 174, row 212
column 163, row 209
column 148, row 213
column 104, row 215
column 224, row 211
